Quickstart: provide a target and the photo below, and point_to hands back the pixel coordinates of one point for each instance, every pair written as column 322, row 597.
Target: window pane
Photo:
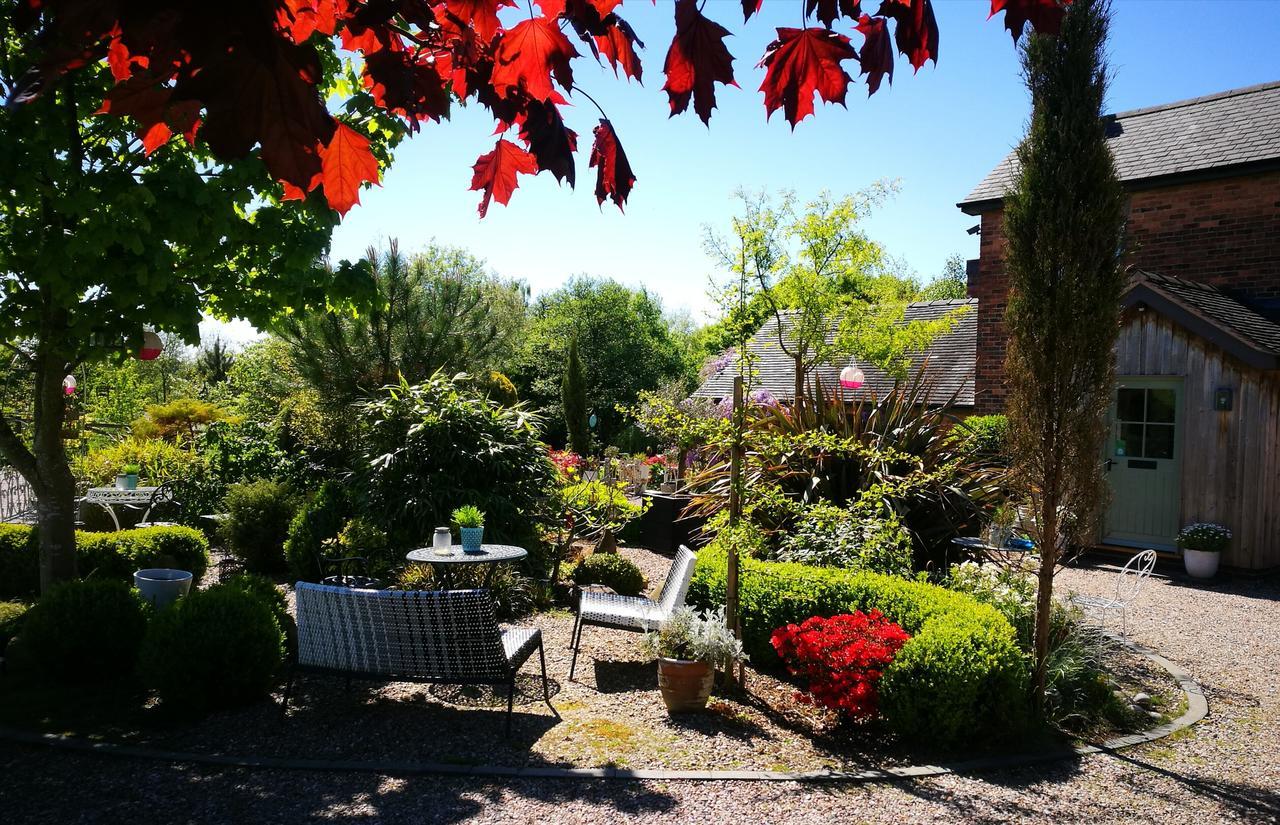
column 1129, row 403
column 1160, row 406
column 1129, row 441
column 1159, row 441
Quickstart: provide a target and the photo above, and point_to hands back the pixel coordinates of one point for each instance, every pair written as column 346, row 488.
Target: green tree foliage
column 215, row 361
column 952, row 284
column 99, row 239
column 623, row 340
column 436, row 446
column 573, row 395
column 439, row 310
column 1064, row 223
column 816, row 267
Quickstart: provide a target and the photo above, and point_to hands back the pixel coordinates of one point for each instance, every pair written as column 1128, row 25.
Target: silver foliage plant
column 693, row 636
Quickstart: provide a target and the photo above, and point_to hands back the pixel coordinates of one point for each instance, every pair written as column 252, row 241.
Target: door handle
column 1108, row 464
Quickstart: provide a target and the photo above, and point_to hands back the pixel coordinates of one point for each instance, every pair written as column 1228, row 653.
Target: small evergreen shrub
column 320, row 520
column 985, row 436
column 218, row 647
column 101, row 555
column 259, row 514
column 84, row 631
column 19, row 562
column 11, row 615
column 265, row 590
column 855, row 538
column 961, row 675
column 611, row 570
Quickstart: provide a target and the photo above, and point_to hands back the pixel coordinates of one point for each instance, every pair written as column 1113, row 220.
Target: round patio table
column 444, row 565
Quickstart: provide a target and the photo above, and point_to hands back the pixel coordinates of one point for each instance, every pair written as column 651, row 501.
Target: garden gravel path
column 1227, row 634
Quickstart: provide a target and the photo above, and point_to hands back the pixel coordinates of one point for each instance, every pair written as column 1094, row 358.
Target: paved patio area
column 1227, row 634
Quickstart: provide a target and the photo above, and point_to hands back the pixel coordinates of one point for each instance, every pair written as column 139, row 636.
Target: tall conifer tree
column 574, row 397
column 1064, row 223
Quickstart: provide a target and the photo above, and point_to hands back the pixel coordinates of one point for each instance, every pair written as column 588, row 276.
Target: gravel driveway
column 1226, row 634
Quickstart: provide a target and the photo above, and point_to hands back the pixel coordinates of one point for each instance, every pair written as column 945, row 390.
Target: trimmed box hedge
column 101, row 555
column 961, row 677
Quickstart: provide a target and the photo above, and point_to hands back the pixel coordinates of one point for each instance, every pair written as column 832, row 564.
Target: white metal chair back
column 1131, row 577
column 415, row 634
column 676, row 587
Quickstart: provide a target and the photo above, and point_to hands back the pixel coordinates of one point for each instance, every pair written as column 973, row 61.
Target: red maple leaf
column 551, row 142
column 1045, row 15
column 829, row 10
column 916, row 32
column 618, row 45
column 495, row 172
column 481, row 15
column 614, row 178
column 345, row 163
column 300, row 18
column 876, row 56
column 750, row 7
column 528, row 55
column 570, row 8
column 798, row 64
column 696, row 60
column 405, row 85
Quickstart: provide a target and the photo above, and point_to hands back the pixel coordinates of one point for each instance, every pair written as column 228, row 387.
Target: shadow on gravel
column 624, row 677
column 1243, row 799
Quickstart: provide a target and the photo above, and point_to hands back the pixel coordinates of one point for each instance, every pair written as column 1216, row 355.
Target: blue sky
column 937, row 132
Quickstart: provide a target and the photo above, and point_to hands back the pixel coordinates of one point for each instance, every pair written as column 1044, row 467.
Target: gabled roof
column 1220, row 134
column 1210, row 313
column 951, row 360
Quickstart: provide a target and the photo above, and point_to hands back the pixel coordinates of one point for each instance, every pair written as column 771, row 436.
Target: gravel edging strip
column 1197, row 709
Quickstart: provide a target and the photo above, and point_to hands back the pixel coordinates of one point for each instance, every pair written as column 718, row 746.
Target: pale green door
column 1143, row 457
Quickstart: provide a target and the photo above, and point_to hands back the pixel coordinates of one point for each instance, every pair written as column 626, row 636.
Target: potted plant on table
column 127, row 478
column 1202, row 545
column 470, row 521
column 689, row 647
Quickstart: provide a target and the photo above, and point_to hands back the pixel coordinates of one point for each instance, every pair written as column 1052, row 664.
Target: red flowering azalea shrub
column 841, row 658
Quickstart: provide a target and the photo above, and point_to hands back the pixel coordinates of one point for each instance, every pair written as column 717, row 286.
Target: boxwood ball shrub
column 84, row 631
column 317, row 522
column 611, row 570
column 11, row 616
column 218, row 647
column 259, row 514
column 262, row 588
column 960, row 676
column 101, row 555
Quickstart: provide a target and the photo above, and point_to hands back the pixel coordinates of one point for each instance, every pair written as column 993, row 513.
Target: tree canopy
column 233, row 78
column 623, row 343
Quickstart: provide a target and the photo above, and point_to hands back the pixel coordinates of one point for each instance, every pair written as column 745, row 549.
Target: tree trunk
column 49, row 473
column 798, row 404
column 1044, row 595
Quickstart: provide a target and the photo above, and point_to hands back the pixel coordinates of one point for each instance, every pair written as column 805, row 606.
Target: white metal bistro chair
column 634, row 613
column 1129, row 583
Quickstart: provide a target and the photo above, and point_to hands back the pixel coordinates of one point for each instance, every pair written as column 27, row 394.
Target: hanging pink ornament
column 851, row 378
column 69, row 385
column 152, row 346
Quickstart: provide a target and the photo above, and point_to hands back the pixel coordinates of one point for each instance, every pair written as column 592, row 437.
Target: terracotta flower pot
column 685, row 685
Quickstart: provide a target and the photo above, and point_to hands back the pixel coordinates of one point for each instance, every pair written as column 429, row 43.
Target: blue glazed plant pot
column 472, row 538
column 131, row 482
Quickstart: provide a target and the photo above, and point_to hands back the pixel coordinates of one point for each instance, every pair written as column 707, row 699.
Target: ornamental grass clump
column 841, row 658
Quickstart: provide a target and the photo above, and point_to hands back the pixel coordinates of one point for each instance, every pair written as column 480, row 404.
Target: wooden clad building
column 1195, row 417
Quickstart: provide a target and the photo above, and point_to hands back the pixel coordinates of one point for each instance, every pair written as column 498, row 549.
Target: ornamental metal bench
column 443, row 637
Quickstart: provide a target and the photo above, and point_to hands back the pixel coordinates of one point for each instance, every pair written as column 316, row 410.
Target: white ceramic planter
column 161, row 585
column 1200, row 564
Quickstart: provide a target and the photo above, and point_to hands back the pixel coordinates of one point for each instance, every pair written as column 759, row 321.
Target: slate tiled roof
column 1216, row 306
column 951, row 359
column 1219, row 131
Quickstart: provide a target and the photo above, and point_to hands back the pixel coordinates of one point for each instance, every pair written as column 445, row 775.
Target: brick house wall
column 1224, row 231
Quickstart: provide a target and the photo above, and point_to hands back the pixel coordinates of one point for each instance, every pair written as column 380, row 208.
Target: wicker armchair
column 634, row 613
